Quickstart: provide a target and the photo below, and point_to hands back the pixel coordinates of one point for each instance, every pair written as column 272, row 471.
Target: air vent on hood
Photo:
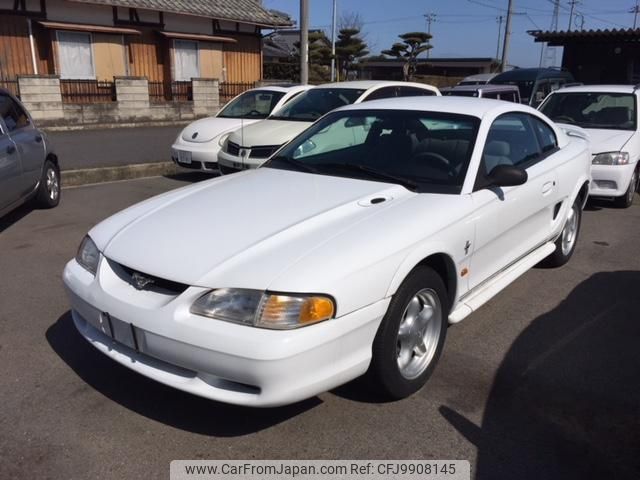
column 375, row 200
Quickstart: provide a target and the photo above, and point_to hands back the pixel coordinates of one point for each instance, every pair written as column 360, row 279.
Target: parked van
column 478, row 79
column 534, row 83
column 509, row 93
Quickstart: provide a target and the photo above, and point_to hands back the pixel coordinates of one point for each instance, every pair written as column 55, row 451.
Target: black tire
column 626, row 200
column 49, row 190
column 384, row 372
column 562, row 254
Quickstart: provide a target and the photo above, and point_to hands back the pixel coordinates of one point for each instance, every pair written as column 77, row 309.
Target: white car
column 198, row 144
column 251, row 146
column 609, row 113
column 334, row 259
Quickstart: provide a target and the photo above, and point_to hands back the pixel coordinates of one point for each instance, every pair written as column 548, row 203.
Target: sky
column 465, row 28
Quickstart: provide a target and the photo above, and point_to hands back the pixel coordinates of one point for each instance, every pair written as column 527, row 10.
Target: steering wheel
column 440, row 162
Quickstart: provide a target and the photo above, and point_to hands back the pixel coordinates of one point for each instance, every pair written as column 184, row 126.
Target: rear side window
column 546, row 135
column 414, row 92
column 384, row 92
column 13, row 115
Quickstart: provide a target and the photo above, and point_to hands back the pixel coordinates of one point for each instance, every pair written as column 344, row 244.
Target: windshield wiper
column 373, row 173
column 300, row 166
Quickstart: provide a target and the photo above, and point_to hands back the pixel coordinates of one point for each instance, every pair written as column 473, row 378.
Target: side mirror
column 507, row 176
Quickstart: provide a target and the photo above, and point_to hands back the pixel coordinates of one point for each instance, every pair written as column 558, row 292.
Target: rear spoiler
column 574, row 131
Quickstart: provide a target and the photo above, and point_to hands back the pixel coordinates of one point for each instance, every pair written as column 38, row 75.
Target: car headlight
column 88, row 255
column 611, row 158
column 223, row 139
column 266, row 310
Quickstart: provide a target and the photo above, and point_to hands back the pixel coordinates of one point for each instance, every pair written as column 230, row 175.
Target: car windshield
column 423, row 151
column 615, row 111
column 252, row 104
column 314, row 103
column 525, row 87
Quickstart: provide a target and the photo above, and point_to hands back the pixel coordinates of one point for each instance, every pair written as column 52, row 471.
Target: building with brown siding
column 86, row 42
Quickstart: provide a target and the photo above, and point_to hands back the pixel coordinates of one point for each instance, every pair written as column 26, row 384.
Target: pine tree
column 350, row 47
column 412, row 45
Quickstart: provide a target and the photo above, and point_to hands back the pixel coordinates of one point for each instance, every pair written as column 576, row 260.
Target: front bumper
column 611, row 180
column 203, row 156
column 214, row 359
column 235, row 163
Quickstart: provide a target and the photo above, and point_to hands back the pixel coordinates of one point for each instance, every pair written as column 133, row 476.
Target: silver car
column 28, row 167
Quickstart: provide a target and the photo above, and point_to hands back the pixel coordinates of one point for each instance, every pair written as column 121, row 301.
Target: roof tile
column 250, row 11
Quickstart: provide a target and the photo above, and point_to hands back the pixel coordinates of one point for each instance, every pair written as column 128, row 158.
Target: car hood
column 243, row 229
column 268, row 132
column 608, row 140
column 207, row 129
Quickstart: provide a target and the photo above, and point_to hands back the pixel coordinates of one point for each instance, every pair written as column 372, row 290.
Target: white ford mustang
column 349, row 252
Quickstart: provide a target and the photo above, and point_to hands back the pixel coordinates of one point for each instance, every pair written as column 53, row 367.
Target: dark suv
column 534, row 83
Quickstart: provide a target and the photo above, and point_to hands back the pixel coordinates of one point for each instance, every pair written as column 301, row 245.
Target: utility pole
column 333, row 42
column 304, row 42
column 573, row 3
column 499, row 20
column 507, row 37
column 550, row 53
column 635, row 10
column 430, row 17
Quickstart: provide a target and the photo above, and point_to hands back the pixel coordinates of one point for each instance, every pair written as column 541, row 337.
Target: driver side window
column 511, row 141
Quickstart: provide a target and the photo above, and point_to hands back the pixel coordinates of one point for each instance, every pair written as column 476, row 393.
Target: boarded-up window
column 187, row 62
column 75, row 56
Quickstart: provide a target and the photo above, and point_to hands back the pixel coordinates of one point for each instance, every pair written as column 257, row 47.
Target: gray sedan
column 28, row 167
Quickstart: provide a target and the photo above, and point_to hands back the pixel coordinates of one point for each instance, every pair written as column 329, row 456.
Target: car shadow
column 157, row 401
column 15, row 216
column 565, row 401
column 191, row 177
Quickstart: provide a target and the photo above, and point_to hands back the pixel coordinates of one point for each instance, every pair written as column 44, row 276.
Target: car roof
column 368, row 84
column 479, row 77
column 477, row 107
column 530, row 74
column 281, row 88
column 599, row 89
column 487, row 87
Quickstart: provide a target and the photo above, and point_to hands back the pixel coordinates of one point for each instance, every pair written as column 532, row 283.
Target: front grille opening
column 233, row 149
column 263, row 152
column 229, row 385
column 156, row 284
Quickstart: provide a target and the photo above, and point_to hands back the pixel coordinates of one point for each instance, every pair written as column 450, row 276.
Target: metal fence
column 11, row 85
column 181, row 91
column 228, row 90
column 87, row 91
column 170, row 92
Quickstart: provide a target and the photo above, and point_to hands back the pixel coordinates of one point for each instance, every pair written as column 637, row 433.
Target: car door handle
column 11, row 150
column 547, row 187
column 38, row 138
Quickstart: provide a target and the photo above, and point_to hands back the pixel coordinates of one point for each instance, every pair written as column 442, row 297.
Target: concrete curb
column 88, row 176
column 110, row 126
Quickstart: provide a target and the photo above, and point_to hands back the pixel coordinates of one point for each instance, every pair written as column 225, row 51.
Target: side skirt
column 485, row 292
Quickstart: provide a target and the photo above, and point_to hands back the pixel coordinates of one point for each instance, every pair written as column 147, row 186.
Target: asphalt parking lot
column 542, row 382
column 113, row 147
